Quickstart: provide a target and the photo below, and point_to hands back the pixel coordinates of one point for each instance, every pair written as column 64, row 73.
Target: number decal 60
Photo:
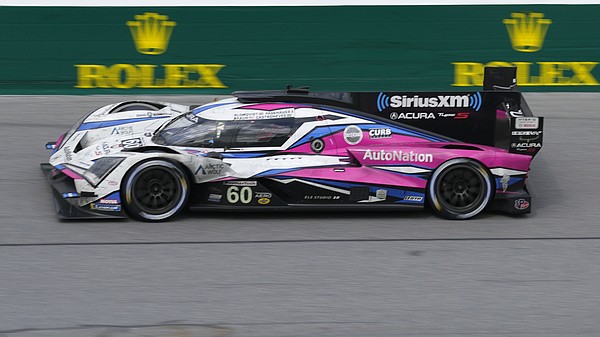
column 236, row 194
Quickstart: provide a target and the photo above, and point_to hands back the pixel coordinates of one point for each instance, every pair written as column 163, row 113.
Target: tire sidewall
column 434, row 199
column 133, row 175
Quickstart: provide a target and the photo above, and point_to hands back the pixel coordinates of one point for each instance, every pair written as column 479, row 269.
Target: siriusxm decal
column 472, row 101
column 383, row 102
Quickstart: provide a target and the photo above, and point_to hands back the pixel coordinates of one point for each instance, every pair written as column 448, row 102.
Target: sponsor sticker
column 415, row 115
column 103, row 148
column 526, row 133
column 380, row 133
column 413, row 198
column 527, row 123
column 321, row 197
column 458, row 115
column 394, row 155
column 109, row 201
column 259, row 195
column 68, row 153
column 122, row 130
column 473, row 101
column 255, row 115
column 521, row 204
column 381, row 194
column 264, row 201
column 353, row 134
column 213, row 197
column 112, row 199
column 210, row 168
column 525, row 145
column 106, row 208
column 239, row 183
column 429, row 115
column 157, row 114
column 131, row 143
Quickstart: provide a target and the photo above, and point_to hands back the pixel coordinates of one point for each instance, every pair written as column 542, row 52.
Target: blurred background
column 351, row 46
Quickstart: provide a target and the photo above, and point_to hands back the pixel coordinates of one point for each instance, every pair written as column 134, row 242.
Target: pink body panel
column 361, row 175
column 431, row 155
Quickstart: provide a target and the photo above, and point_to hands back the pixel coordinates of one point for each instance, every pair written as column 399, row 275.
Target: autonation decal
column 394, row 155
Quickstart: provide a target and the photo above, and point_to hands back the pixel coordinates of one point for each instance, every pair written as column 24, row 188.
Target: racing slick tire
column 460, row 189
column 155, row 190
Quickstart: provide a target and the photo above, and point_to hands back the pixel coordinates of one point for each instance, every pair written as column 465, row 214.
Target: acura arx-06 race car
column 460, row 153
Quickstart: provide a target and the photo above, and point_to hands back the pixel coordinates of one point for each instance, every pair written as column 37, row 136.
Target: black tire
column 155, row 190
column 459, row 189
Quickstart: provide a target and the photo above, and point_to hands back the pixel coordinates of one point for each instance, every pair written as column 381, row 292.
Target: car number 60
column 235, row 194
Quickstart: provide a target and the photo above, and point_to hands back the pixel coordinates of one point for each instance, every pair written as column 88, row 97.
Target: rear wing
column 496, row 116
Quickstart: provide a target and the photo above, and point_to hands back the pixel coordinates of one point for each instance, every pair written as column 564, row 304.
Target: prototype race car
column 293, row 149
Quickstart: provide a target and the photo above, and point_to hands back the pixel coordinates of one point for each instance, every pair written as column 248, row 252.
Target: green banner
column 216, row 50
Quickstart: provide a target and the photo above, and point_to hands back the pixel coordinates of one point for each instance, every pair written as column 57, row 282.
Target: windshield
column 191, row 130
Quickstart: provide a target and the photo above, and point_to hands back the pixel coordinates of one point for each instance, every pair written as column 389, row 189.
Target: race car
column 295, row 149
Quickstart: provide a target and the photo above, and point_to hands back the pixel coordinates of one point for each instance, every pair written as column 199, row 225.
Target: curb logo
column 151, row 33
column 527, row 31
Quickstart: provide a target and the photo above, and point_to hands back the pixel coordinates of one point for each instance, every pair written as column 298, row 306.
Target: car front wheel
column 459, row 189
column 155, row 190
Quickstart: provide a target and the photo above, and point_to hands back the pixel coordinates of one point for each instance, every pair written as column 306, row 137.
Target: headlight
column 101, row 168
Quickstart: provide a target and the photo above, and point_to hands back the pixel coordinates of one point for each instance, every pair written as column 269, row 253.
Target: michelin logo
column 104, row 207
column 473, row 101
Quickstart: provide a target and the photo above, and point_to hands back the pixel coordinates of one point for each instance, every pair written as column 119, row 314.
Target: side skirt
column 305, row 207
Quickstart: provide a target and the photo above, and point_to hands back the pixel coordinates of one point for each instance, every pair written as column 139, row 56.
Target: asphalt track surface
column 294, row 274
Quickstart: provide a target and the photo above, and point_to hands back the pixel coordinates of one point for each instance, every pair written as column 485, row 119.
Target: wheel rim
column 156, row 190
column 461, row 189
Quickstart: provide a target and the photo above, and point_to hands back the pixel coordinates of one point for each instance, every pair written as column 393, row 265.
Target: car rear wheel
column 460, row 189
column 155, row 190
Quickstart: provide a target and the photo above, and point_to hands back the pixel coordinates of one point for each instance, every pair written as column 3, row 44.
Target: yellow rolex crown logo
column 527, row 31
column 151, row 33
